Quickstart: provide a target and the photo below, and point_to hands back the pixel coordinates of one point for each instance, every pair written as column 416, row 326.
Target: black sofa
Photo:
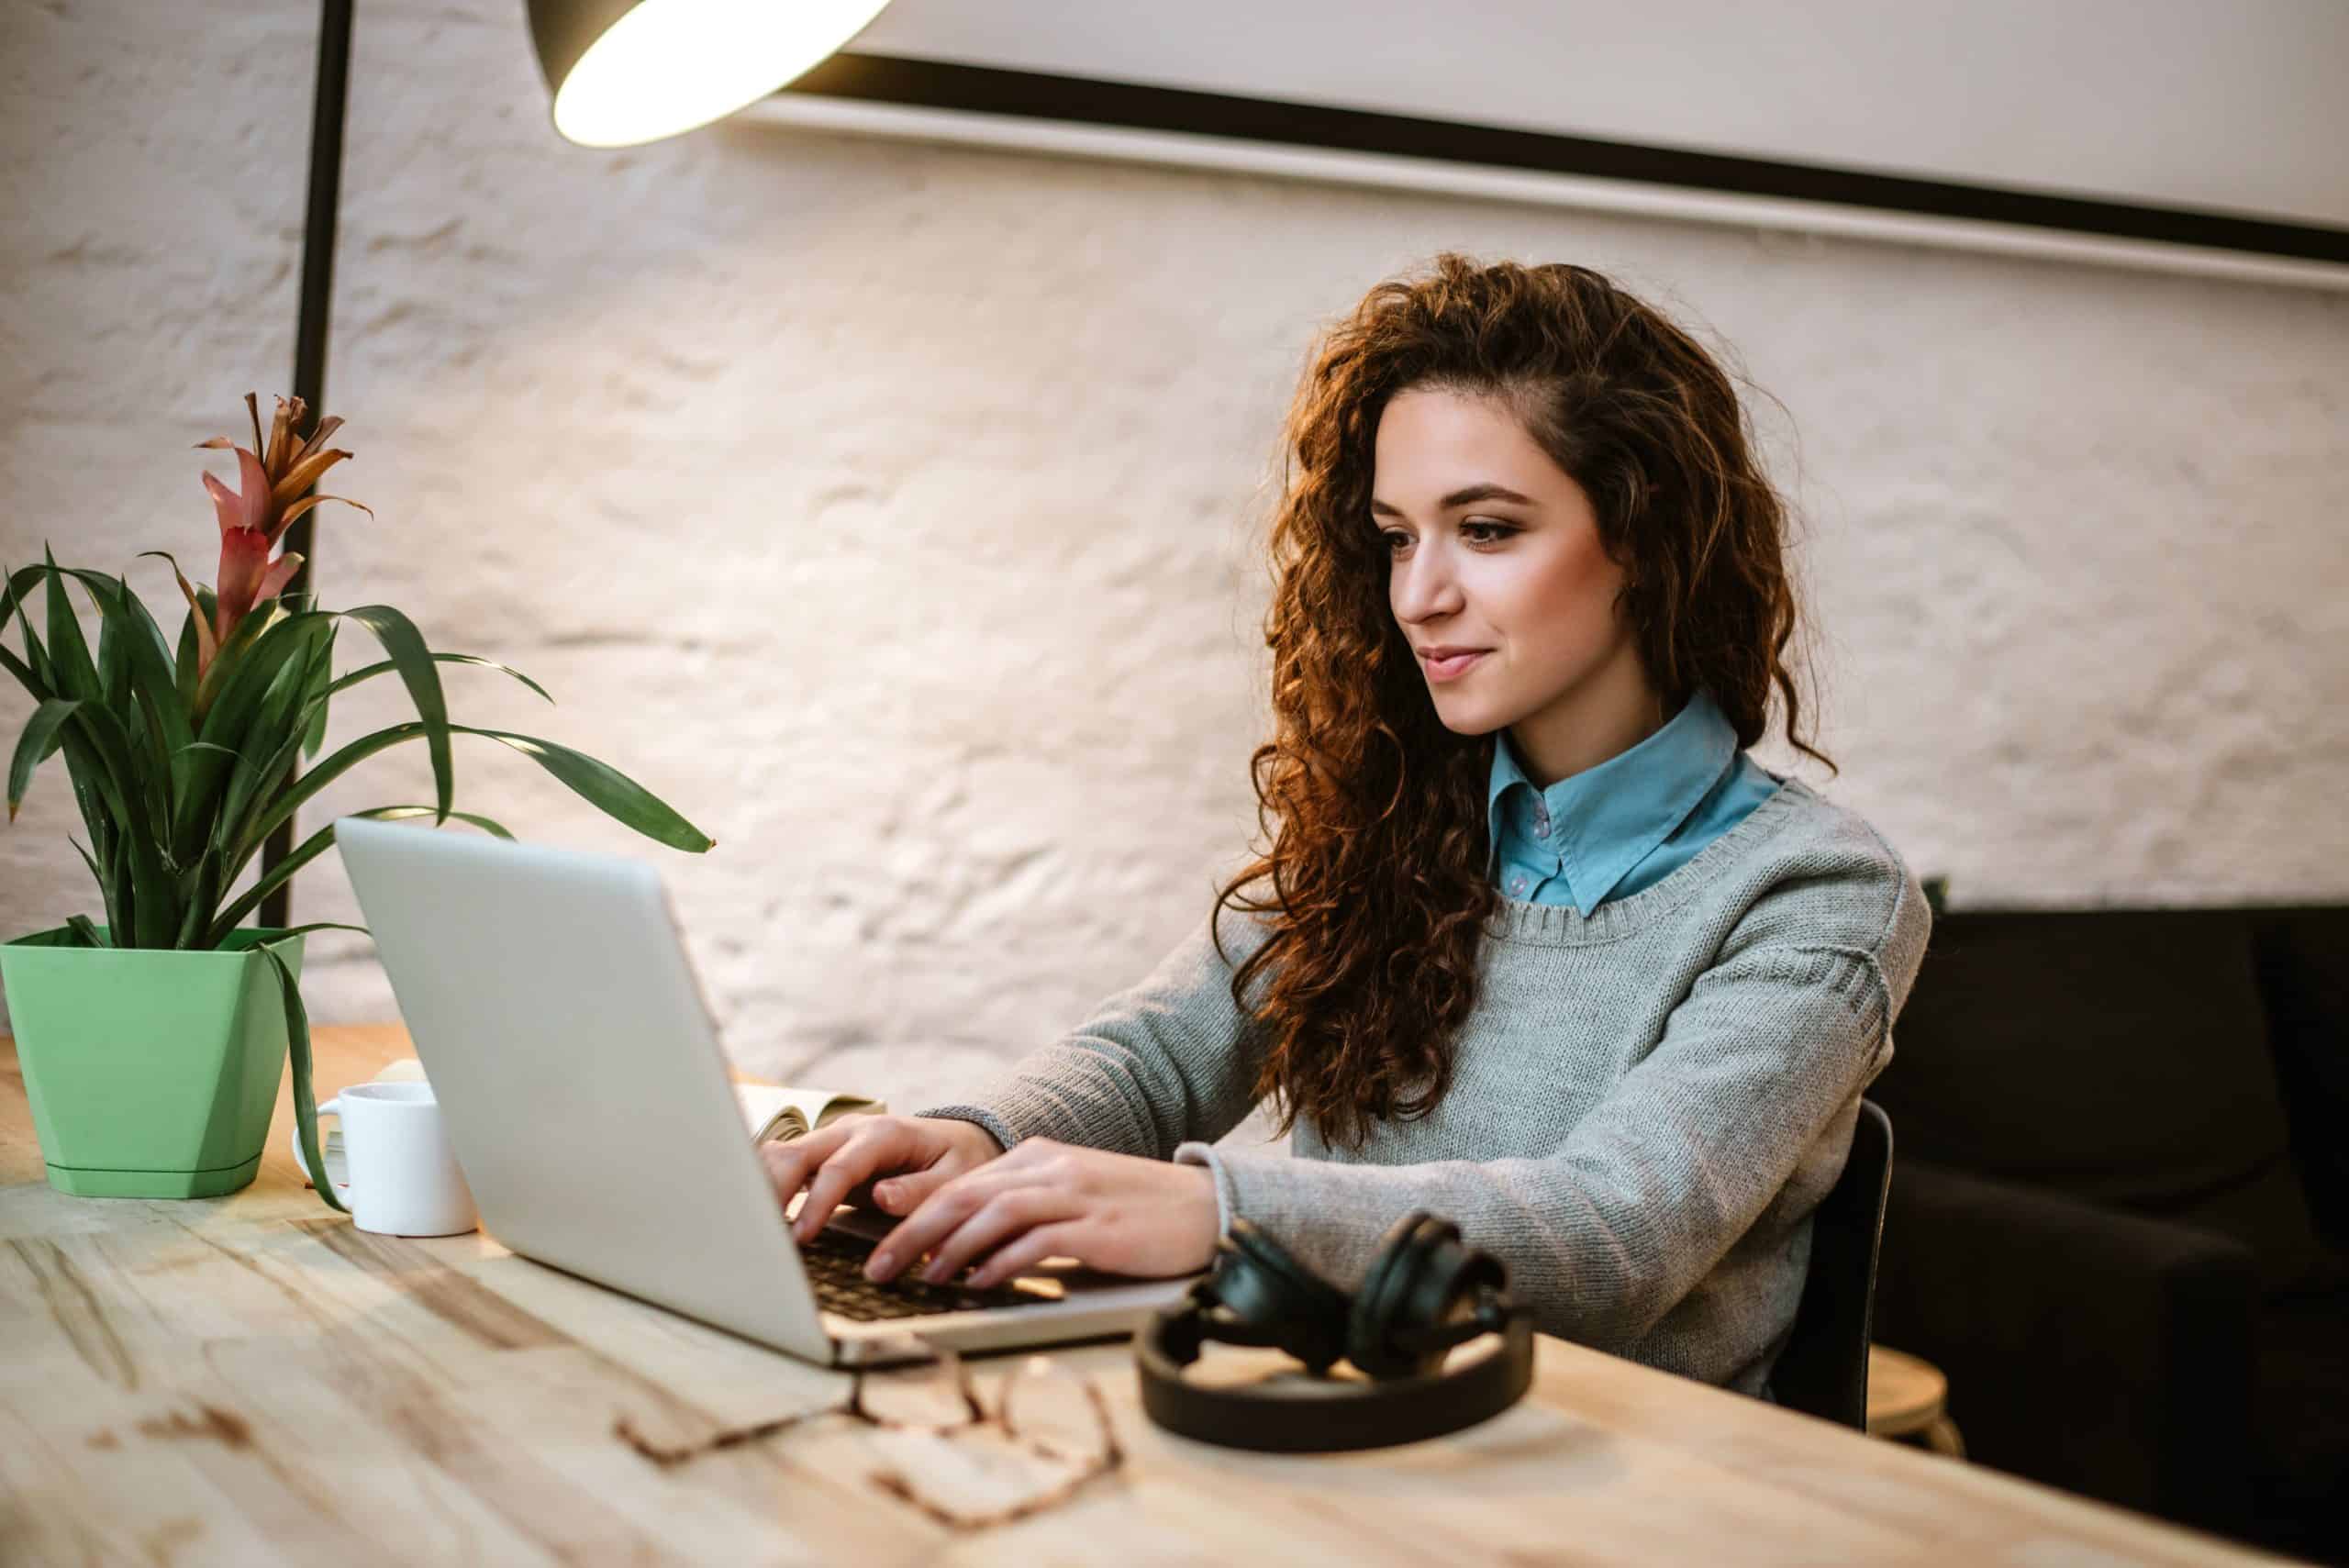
column 2119, row 1218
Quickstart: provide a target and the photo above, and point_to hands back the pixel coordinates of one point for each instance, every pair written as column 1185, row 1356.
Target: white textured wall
column 893, row 510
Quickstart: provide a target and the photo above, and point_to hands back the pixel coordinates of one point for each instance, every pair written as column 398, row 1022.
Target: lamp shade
column 622, row 72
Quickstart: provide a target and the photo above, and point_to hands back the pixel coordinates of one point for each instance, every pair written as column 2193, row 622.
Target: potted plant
column 152, row 1044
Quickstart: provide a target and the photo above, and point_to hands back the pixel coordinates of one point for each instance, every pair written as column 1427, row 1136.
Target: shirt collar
column 1607, row 818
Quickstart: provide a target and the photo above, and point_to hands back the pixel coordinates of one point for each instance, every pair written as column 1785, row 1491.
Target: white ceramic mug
column 404, row 1177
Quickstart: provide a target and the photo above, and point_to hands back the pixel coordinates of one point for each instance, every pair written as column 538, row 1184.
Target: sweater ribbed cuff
column 996, row 1126
column 1196, row 1153
column 1329, row 1216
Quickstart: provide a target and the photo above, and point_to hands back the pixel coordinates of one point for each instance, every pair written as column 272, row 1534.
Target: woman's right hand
column 893, row 1161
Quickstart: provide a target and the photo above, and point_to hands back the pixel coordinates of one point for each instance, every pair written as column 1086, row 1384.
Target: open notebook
column 769, row 1110
column 774, row 1111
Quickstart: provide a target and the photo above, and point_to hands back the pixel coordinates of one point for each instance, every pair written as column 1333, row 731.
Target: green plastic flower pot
column 151, row 1071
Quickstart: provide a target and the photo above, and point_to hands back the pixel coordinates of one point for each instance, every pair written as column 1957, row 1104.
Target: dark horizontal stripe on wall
column 937, row 85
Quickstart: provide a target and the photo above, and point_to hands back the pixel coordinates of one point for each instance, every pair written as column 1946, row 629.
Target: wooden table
column 250, row 1380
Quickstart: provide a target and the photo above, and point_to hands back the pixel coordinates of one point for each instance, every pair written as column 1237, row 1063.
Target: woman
column 1545, row 951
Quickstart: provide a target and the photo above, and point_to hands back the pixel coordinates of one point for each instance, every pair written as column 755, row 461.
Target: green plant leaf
column 305, row 1099
column 258, row 651
column 36, row 656
column 146, row 638
column 114, row 662
column 155, row 921
column 88, row 860
column 250, row 786
column 189, row 651
column 72, row 671
column 129, row 633
column 82, row 927
column 371, row 670
column 276, row 733
column 123, row 783
column 134, row 778
column 199, row 892
column 318, row 926
column 314, row 734
column 36, row 684
column 99, row 814
column 104, row 834
column 308, row 851
column 274, row 737
column 106, row 884
column 15, row 665
column 318, row 693
column 33, row 745
column 122, row 911
column 95, row 757
column 152, row 679
column 264, row 618
column 314, row 717
column 406, row 647
column 278, row 809
column 401, row 813
column 610, row 790
column 251, row 789
column 33, row 685
column 230, row 719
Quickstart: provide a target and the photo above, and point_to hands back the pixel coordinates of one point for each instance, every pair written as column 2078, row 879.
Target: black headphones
column 1425, row 1293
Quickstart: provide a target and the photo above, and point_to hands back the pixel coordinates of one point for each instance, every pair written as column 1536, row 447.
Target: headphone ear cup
column 1267, row 1290
column 1395, row 1313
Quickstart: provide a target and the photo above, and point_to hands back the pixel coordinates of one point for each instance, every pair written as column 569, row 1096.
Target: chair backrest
column 1823, row 1371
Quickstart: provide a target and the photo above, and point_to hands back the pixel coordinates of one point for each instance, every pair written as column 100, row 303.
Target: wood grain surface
column 250, row 1380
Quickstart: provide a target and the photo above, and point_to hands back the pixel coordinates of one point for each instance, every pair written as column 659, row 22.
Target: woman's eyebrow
column 1461, row 497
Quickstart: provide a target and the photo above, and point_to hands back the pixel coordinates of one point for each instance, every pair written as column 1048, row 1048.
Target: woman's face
column 1494, row 546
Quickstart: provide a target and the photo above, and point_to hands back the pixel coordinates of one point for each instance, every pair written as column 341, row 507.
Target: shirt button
column 1517, row 884
column 1542, row 828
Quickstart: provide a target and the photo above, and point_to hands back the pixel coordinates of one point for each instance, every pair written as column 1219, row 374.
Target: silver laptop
column 579, row 1071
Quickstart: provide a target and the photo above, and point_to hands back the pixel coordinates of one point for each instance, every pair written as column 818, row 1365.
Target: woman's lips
column 1454, row 667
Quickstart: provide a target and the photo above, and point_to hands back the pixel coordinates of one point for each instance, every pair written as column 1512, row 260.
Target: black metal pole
column 310, row 336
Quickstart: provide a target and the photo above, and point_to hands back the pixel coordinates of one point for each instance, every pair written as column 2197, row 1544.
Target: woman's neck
column 1603, row 716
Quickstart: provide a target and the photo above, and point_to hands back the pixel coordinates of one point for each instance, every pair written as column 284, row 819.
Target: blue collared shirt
column 1626, row 823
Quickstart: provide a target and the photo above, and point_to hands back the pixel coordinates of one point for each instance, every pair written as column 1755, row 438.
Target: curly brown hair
column 1378, row 870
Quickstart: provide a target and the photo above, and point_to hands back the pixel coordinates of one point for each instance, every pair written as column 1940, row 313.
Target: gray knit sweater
column 1647, row 1103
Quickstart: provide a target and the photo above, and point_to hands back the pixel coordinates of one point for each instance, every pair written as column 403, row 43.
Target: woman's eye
column 1486, row 533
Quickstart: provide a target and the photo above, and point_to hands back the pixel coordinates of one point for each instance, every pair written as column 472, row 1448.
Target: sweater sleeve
column 1657, row 1181
column 1165, row 1060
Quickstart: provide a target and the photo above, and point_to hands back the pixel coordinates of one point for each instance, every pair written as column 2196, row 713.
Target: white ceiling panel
column 2227, row 107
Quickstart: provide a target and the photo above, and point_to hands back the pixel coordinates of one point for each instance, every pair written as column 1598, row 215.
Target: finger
column 903, row 1194
column 789, row 1163
column 856, row 1161
column 940, row 1213
column 1054, row 1240
column 947, row 1204
column 1003, row 1218
column 786, row 1169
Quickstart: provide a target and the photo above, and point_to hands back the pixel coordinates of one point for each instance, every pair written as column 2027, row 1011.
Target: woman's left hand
column 1119, row 1213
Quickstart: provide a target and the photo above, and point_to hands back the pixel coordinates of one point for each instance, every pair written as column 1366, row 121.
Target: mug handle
column 332, row 1107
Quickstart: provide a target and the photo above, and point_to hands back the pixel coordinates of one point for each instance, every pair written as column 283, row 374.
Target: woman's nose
column 1424, row 590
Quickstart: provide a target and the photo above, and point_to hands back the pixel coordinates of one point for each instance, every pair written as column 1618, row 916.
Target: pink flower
column 271, row 477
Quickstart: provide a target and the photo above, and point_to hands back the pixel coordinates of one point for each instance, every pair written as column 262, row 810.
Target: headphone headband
column 1398, row 1329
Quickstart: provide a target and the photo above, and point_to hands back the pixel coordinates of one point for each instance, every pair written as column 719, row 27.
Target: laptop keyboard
column 834, row 1263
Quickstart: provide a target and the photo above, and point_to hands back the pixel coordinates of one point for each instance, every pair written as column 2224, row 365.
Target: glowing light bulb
column 666, row 66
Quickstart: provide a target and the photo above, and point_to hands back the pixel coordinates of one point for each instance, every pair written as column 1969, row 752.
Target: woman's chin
column 1469, row 718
